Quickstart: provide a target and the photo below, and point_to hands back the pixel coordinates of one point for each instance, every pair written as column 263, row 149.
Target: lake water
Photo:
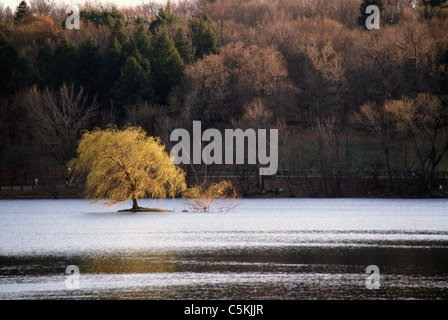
column 264, row 249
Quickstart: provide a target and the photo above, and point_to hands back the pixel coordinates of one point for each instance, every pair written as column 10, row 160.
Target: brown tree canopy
column 222, row 84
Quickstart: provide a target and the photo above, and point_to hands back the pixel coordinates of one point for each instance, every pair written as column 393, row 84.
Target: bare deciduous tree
column 58, row 117
column 325, row 78
column 256, row 116
column 424, row 121
column 382, row 123
column 328, row 153
column 223, row 194
column 223, row 84
column 42, row 7
column 6, row 15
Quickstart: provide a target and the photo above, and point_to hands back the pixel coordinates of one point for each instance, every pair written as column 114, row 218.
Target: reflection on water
column 266, row 249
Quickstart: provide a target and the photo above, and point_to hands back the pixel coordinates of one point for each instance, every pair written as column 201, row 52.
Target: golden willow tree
column 126, row 164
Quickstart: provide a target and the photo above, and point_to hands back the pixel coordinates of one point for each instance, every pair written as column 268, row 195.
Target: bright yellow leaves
column 126, row 164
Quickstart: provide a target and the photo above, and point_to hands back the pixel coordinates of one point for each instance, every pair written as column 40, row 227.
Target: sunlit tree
column 126, row 164
column 223, row 194
column 423, row 120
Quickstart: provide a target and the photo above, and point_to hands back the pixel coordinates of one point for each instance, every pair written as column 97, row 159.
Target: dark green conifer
column 203, row 37
column 167, row 65
column 22, row 11
column 184, row 46
column 134, row 83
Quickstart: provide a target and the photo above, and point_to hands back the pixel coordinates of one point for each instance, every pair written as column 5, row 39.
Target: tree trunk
column 389, row 169
column 134, row 204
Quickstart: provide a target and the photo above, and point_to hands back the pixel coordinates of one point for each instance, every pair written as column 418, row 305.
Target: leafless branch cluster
column 57, row 117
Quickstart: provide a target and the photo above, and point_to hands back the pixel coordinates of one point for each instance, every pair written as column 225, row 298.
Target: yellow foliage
column 421, row 117
column 37, row 21
column 126, row 164
column 223, row 193
column 35, row 29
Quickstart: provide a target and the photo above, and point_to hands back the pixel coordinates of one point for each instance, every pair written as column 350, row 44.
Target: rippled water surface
column 264, row 249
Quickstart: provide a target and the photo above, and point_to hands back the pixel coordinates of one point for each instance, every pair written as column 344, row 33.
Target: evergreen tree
column 111, row 65
column 362, row 9
column 58, row 64
column 23, row 10
column 119, row 33
column 142, row 41
column 184, row 46
column 45, row 66
column 88, row 65
column 164, row 18
column 64, row 67
column 134, row 83
column 119, row 49
column 203, row 37
column 13, row 68
column 167, row 66
column 103, row 17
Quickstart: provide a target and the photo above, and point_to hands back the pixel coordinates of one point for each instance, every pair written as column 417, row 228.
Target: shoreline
column 77, row 193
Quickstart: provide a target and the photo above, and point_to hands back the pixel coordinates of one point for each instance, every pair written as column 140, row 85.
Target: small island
column 140, row 209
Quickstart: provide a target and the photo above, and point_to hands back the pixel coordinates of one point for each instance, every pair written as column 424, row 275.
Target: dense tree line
column 309, row 68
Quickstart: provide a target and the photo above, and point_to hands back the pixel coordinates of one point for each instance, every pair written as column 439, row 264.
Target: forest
column 359, row 111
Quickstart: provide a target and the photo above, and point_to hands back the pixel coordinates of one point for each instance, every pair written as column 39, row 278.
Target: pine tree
column 203, row 37
column 134, row 83
column 111, row 65
column 88, row 62
column 102, row 17
column 184, row 46
column 13, row 68
column 167, row 65
column 63, row 64
column 142, row 41
column 119, row 34
column 23, row 10
column 45, row 66
column 362, row 9
column 164, row 18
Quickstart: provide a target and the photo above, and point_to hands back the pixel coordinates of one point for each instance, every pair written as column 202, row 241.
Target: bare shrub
column 221, row 194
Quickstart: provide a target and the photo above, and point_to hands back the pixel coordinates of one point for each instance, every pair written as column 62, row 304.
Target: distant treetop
column 23, row 10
